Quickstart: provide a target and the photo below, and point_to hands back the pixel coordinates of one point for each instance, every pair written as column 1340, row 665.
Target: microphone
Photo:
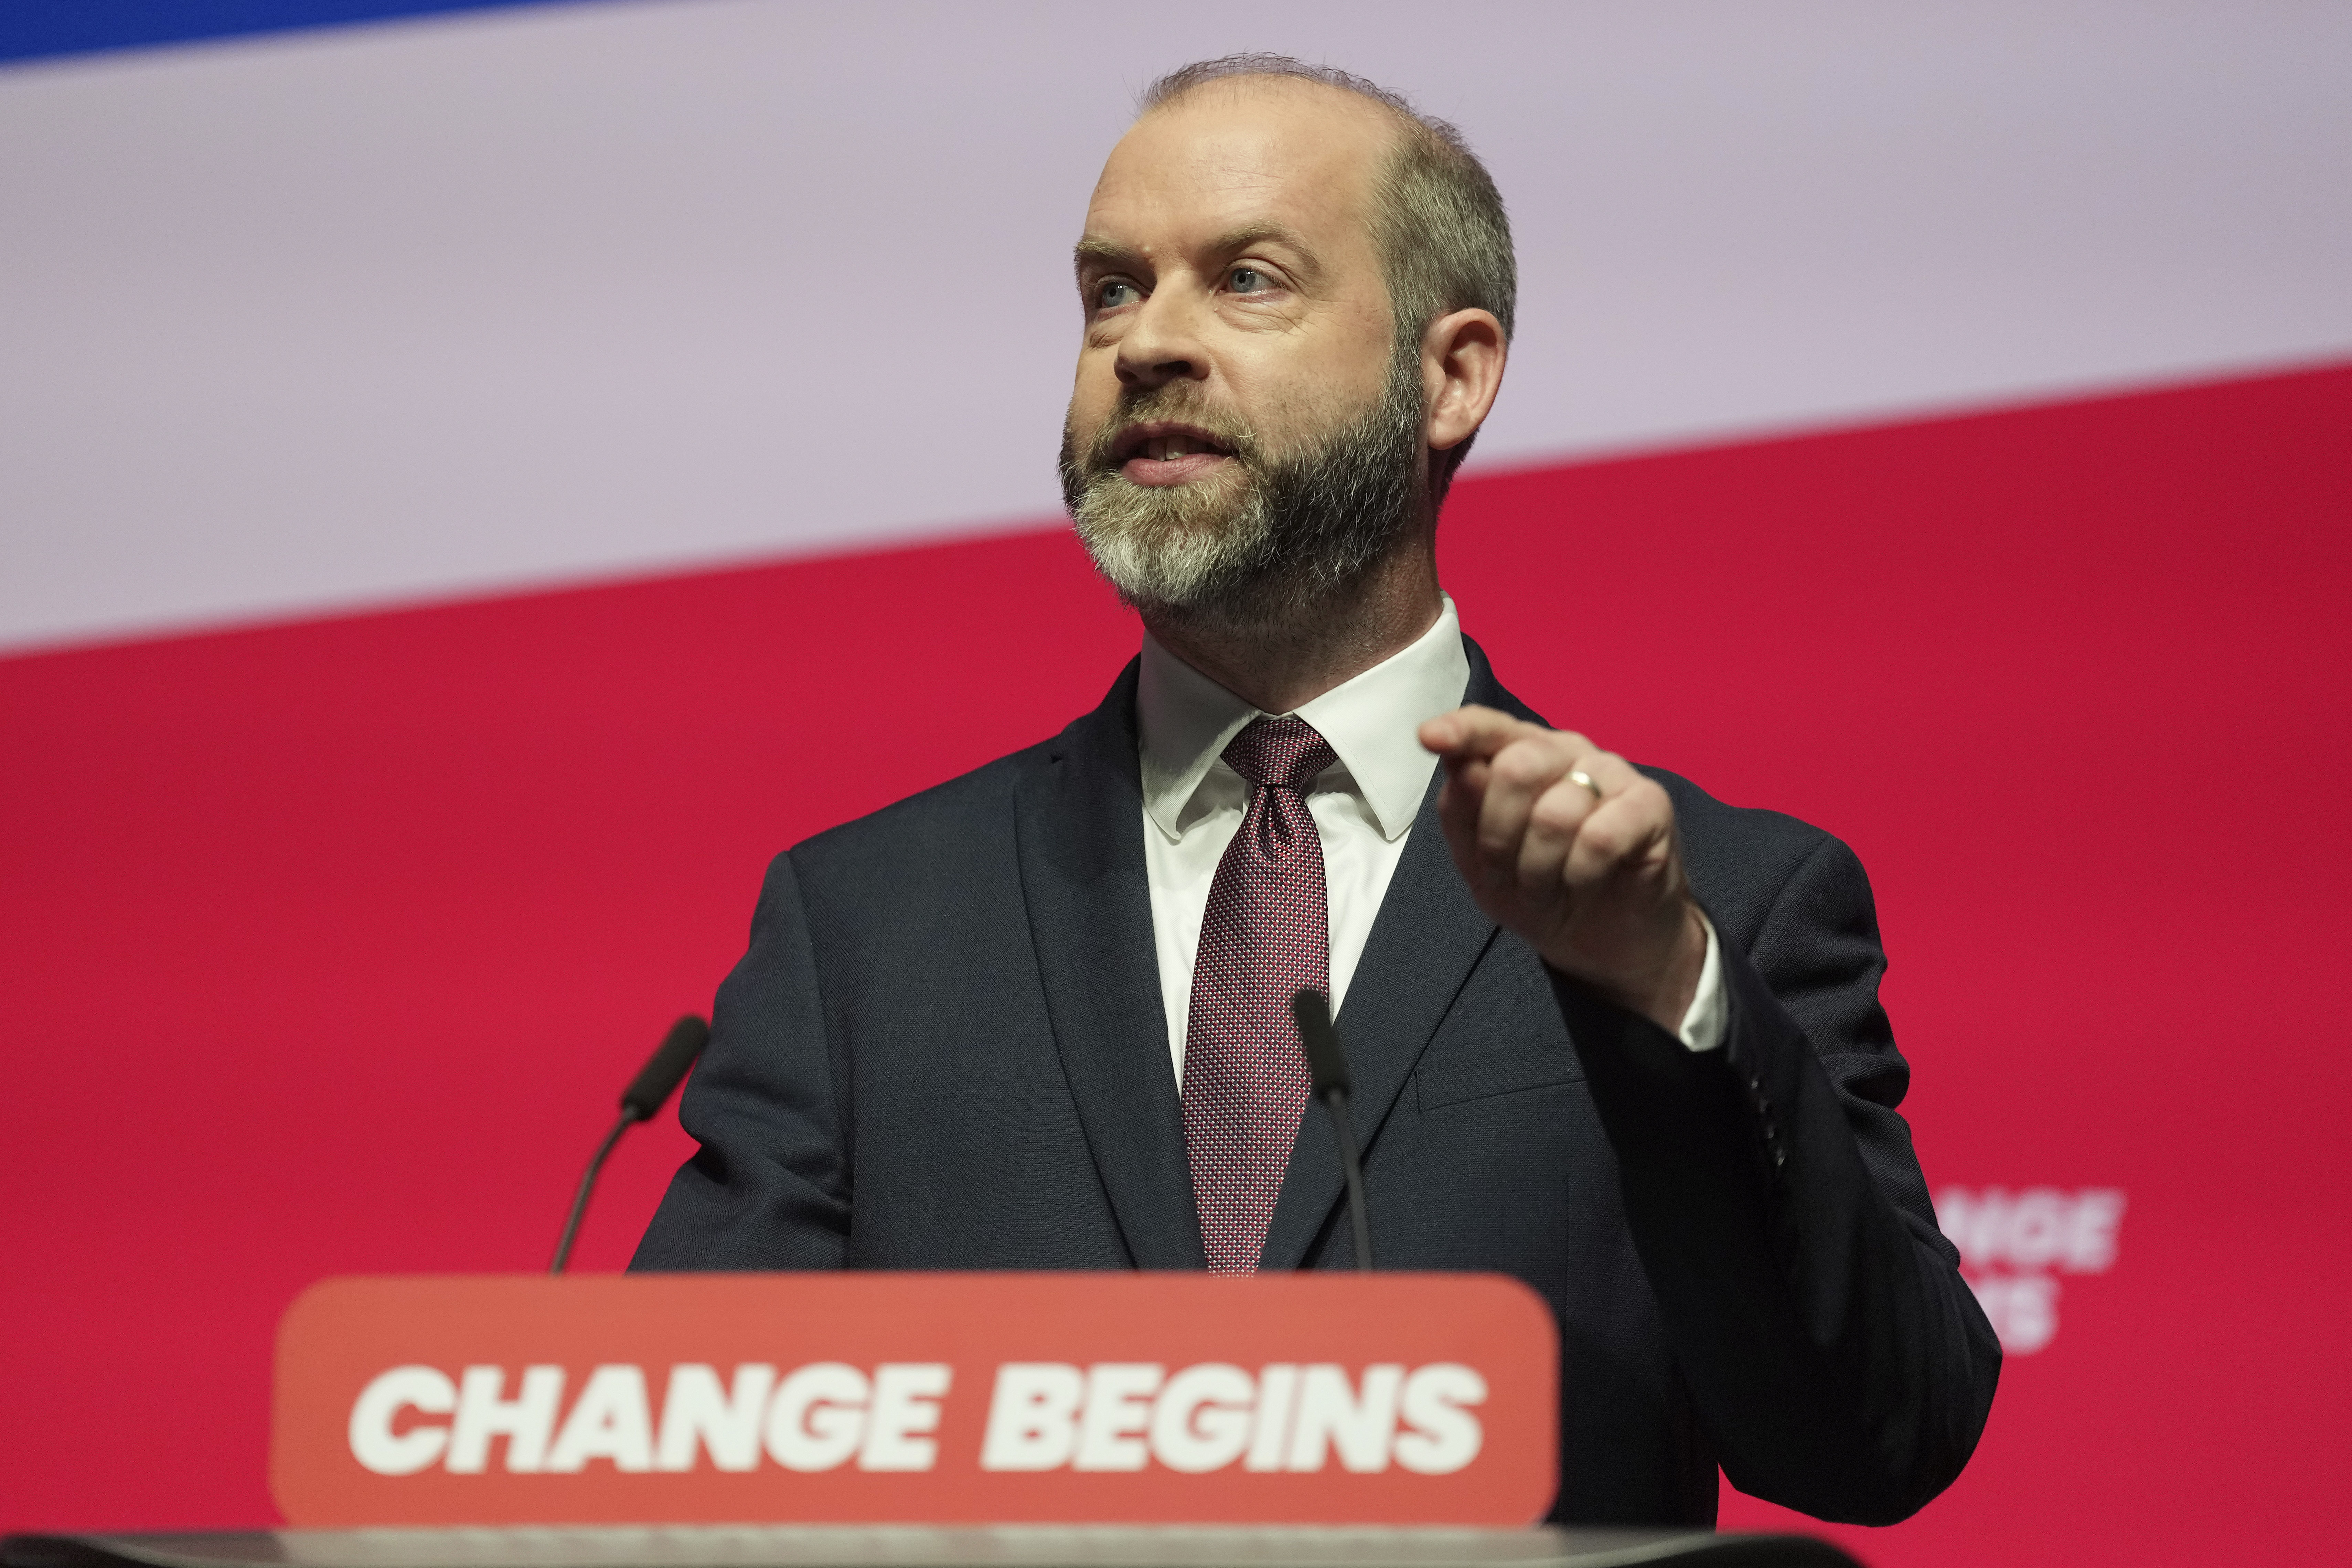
column 646, row 1093
column 1327, row 1063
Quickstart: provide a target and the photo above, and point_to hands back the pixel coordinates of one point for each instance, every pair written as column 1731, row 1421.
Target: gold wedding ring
column 1578, row 776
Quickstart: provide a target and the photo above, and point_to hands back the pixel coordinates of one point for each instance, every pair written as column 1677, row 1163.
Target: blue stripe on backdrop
column 31, row 30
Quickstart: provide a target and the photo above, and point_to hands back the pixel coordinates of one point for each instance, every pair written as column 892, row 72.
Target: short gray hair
column 1444, row 237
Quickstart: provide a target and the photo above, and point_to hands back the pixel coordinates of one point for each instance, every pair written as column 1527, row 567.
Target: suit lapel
column 1427, row 938
column 1489, row 692
column 1079, row 825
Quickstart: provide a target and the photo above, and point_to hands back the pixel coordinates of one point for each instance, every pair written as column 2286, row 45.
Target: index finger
column 1474, row 732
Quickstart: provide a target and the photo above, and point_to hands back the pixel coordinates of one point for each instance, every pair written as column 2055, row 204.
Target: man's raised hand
column 1590, row 877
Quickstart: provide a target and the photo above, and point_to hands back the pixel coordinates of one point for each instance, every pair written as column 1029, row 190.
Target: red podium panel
column 938, row 1398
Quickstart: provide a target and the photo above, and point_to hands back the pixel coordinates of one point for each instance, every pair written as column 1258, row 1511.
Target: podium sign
column 935, row 1398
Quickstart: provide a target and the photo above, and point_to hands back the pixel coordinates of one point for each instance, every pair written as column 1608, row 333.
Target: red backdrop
column 325, row 947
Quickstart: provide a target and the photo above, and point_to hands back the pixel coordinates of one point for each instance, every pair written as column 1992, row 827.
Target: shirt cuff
column 1709, row 1014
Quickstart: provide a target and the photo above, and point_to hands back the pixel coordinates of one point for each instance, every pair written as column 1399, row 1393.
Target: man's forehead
column 1235, row 155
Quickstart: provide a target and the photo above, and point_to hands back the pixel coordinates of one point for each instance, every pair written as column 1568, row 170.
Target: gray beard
column 1276, row 541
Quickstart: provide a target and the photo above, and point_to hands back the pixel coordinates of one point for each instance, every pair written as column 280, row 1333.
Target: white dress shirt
column 1363, row 805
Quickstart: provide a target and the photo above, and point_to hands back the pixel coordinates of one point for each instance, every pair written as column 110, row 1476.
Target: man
column 1608, row 1035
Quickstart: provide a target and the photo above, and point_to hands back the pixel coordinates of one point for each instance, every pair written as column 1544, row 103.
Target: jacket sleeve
column 770, row 1187
column 1839, row 1363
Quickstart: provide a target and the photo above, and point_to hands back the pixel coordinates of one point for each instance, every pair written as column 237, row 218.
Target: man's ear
column 1462, row 356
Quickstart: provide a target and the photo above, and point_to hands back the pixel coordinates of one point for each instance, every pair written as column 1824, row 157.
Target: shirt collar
column 1187, row 720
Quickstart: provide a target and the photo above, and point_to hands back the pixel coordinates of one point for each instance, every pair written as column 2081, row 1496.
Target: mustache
column 1177, row 402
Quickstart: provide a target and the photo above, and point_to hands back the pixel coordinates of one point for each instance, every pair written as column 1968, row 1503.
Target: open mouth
column 1166, row 441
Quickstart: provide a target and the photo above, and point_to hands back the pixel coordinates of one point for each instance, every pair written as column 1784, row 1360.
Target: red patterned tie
column 1266, row 935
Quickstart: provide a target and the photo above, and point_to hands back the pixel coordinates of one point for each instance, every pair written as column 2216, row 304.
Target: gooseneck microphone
column 1328, row 1063
column 646, row 1093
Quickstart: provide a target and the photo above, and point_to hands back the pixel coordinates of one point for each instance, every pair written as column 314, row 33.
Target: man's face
column 1237, row 387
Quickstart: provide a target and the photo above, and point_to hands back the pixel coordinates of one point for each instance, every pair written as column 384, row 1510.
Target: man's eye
column 1247, row 280
column 1115, row 292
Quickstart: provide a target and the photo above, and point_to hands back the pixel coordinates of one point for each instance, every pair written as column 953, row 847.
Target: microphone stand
column 1351, row 1167
column 1328, row 1062
column 646, row 1093
column 587, row 1185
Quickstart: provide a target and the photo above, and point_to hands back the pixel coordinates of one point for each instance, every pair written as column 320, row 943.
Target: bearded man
column 1608, row 1035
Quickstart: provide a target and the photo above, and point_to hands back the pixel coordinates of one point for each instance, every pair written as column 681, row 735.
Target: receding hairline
column 1403, row 124
column 1394, row 112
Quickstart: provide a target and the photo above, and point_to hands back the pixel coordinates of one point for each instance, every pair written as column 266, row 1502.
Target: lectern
column 867, row 1420
column 1048, row 1546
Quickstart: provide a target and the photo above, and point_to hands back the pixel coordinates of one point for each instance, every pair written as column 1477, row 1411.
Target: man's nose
column 1164, row 345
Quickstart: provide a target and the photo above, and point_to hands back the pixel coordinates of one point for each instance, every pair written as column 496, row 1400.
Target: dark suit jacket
column 946, row 1050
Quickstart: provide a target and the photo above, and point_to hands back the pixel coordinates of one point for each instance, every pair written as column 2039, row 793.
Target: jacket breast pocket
column 1452, row 1080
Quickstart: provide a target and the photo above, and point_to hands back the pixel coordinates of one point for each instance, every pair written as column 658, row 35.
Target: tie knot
column 1279, row 753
